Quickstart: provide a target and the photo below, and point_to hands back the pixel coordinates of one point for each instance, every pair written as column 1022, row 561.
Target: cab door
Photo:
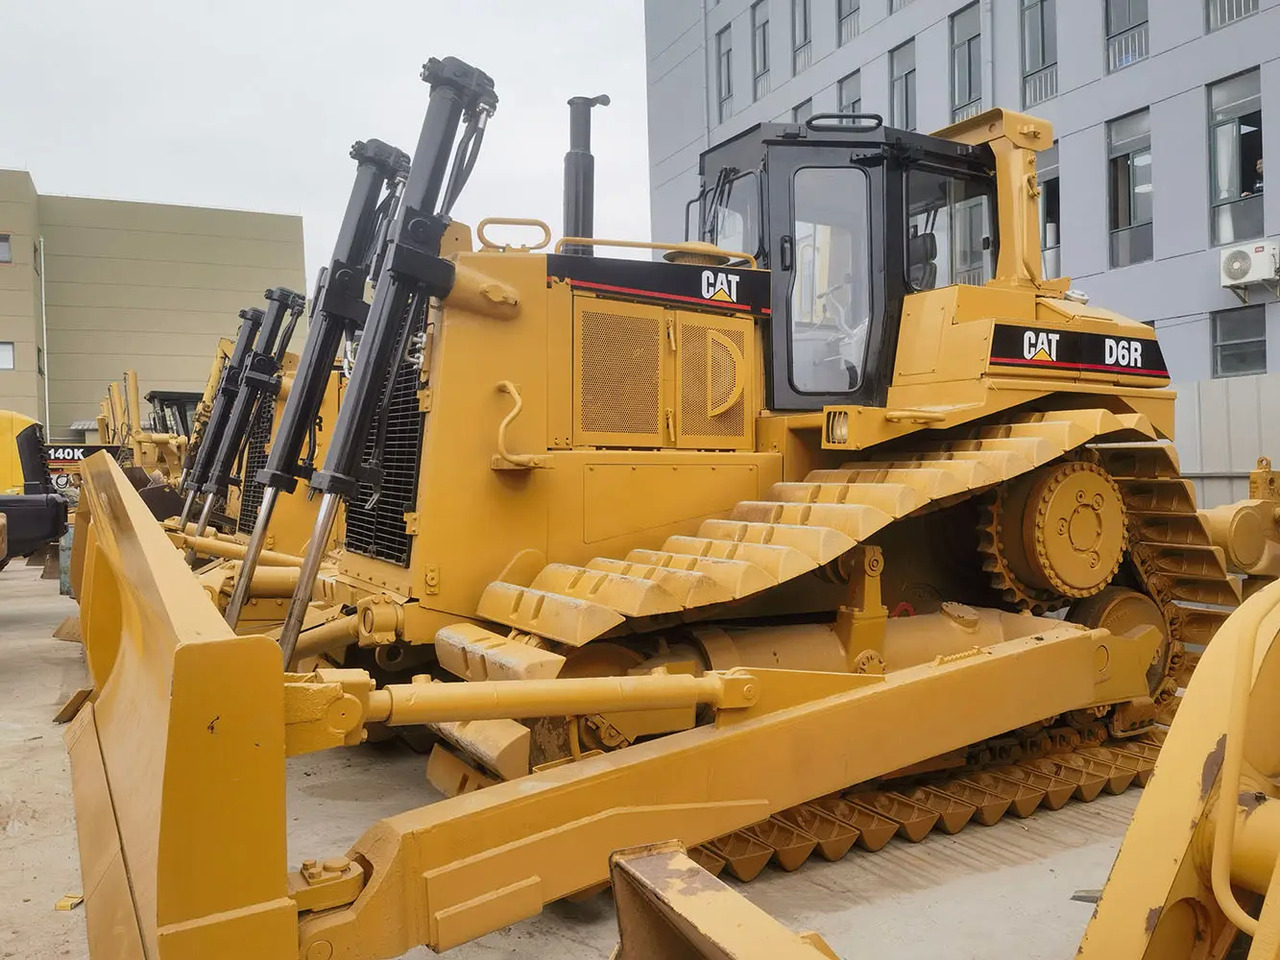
column 828, row 261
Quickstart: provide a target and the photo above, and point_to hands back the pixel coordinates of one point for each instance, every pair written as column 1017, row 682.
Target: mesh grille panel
column 708, row 376
column 255, row 459
column 380, row 532
column 621, row 373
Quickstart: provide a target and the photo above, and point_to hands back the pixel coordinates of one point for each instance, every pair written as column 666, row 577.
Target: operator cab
column 173, row 411
column 850, row 217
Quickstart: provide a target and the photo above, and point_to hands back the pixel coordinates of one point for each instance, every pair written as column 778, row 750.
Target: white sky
column 254, row 104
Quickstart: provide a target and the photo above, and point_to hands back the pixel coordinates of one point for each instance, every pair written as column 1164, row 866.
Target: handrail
column 505, row 458
column 683, row 246
column 487, row 244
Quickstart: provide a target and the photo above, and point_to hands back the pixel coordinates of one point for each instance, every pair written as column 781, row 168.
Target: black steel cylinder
column 257, row 376
column 339, row 307
column 416, row 232
column 580, row 174
column 224, row 399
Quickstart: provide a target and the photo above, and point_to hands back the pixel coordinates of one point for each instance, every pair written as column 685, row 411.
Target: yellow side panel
column 622, row 357
column 621, row 499
column 715, row 377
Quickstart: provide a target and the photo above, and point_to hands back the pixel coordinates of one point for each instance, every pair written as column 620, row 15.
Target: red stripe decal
column 1133, row 371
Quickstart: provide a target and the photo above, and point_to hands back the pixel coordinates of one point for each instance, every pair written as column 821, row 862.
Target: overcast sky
column 254, row 104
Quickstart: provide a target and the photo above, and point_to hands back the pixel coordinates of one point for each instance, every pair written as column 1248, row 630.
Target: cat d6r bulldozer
column 839, row 519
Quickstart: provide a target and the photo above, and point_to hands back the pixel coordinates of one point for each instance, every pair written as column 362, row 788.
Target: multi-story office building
column 90, row 288
column 1161, row 112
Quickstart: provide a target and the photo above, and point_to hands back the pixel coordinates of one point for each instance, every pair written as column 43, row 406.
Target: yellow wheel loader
column 883, row 538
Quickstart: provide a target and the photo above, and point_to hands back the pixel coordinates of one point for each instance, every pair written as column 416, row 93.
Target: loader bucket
column 178, row 759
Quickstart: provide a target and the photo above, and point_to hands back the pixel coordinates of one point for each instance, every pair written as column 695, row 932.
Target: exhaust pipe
column 580, row 174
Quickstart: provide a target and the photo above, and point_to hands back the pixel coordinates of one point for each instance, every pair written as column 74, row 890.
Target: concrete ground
column 1002, row 890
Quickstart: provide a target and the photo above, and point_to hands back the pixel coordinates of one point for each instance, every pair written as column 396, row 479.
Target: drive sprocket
column 1055, row 535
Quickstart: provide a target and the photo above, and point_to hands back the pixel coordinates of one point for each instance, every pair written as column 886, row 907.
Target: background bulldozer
column 886, row 537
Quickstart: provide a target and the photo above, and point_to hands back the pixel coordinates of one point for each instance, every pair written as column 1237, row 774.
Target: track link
column 1014, row 782
column 1177, row 564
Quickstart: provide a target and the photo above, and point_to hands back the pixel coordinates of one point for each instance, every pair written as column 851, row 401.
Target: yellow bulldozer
column 840, row 521
column 156, row 445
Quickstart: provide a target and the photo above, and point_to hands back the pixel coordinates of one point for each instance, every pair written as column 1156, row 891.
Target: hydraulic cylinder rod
column 232, row 550
column 211, row 436
column 413, row 270
column 408, row 703
column 338, row 310
column 259, row 376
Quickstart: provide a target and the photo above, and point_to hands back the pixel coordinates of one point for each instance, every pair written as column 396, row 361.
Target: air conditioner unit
column 1250, row 263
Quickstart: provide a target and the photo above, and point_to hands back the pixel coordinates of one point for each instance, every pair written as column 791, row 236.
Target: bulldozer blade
column 68, row 629
column 178, row 765
column 68, row 710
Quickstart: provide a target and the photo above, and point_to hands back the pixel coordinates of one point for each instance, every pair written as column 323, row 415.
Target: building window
column 801, row 36
column 1039, row 51
column 760, row 48
column 896, row 5
column 849, row 93
column 1240, row 341
column 848, row 12
column 6, row 249
column 1129, row 149
column 1126, row 33
column 966, row 64
column 902, row 86
column 1050, row 211
column 6, row 355
column 802, row 111
column 724, row 74
column 1222, row 12
column 1235, row 158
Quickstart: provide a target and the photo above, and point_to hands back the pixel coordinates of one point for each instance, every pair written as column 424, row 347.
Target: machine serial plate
column 1022, row 346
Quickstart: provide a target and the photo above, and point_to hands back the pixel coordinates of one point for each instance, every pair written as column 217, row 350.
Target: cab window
column 728, row 214
column 830, row 281
column 949, row 228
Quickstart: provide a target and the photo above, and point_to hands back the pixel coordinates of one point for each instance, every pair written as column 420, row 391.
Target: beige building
column 142, row 286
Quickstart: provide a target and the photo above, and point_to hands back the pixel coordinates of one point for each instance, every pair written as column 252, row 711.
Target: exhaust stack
column 580, row 174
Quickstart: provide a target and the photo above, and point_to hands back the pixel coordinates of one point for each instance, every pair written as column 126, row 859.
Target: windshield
column 830, row 284
column 949, row 228
column 728, row 214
